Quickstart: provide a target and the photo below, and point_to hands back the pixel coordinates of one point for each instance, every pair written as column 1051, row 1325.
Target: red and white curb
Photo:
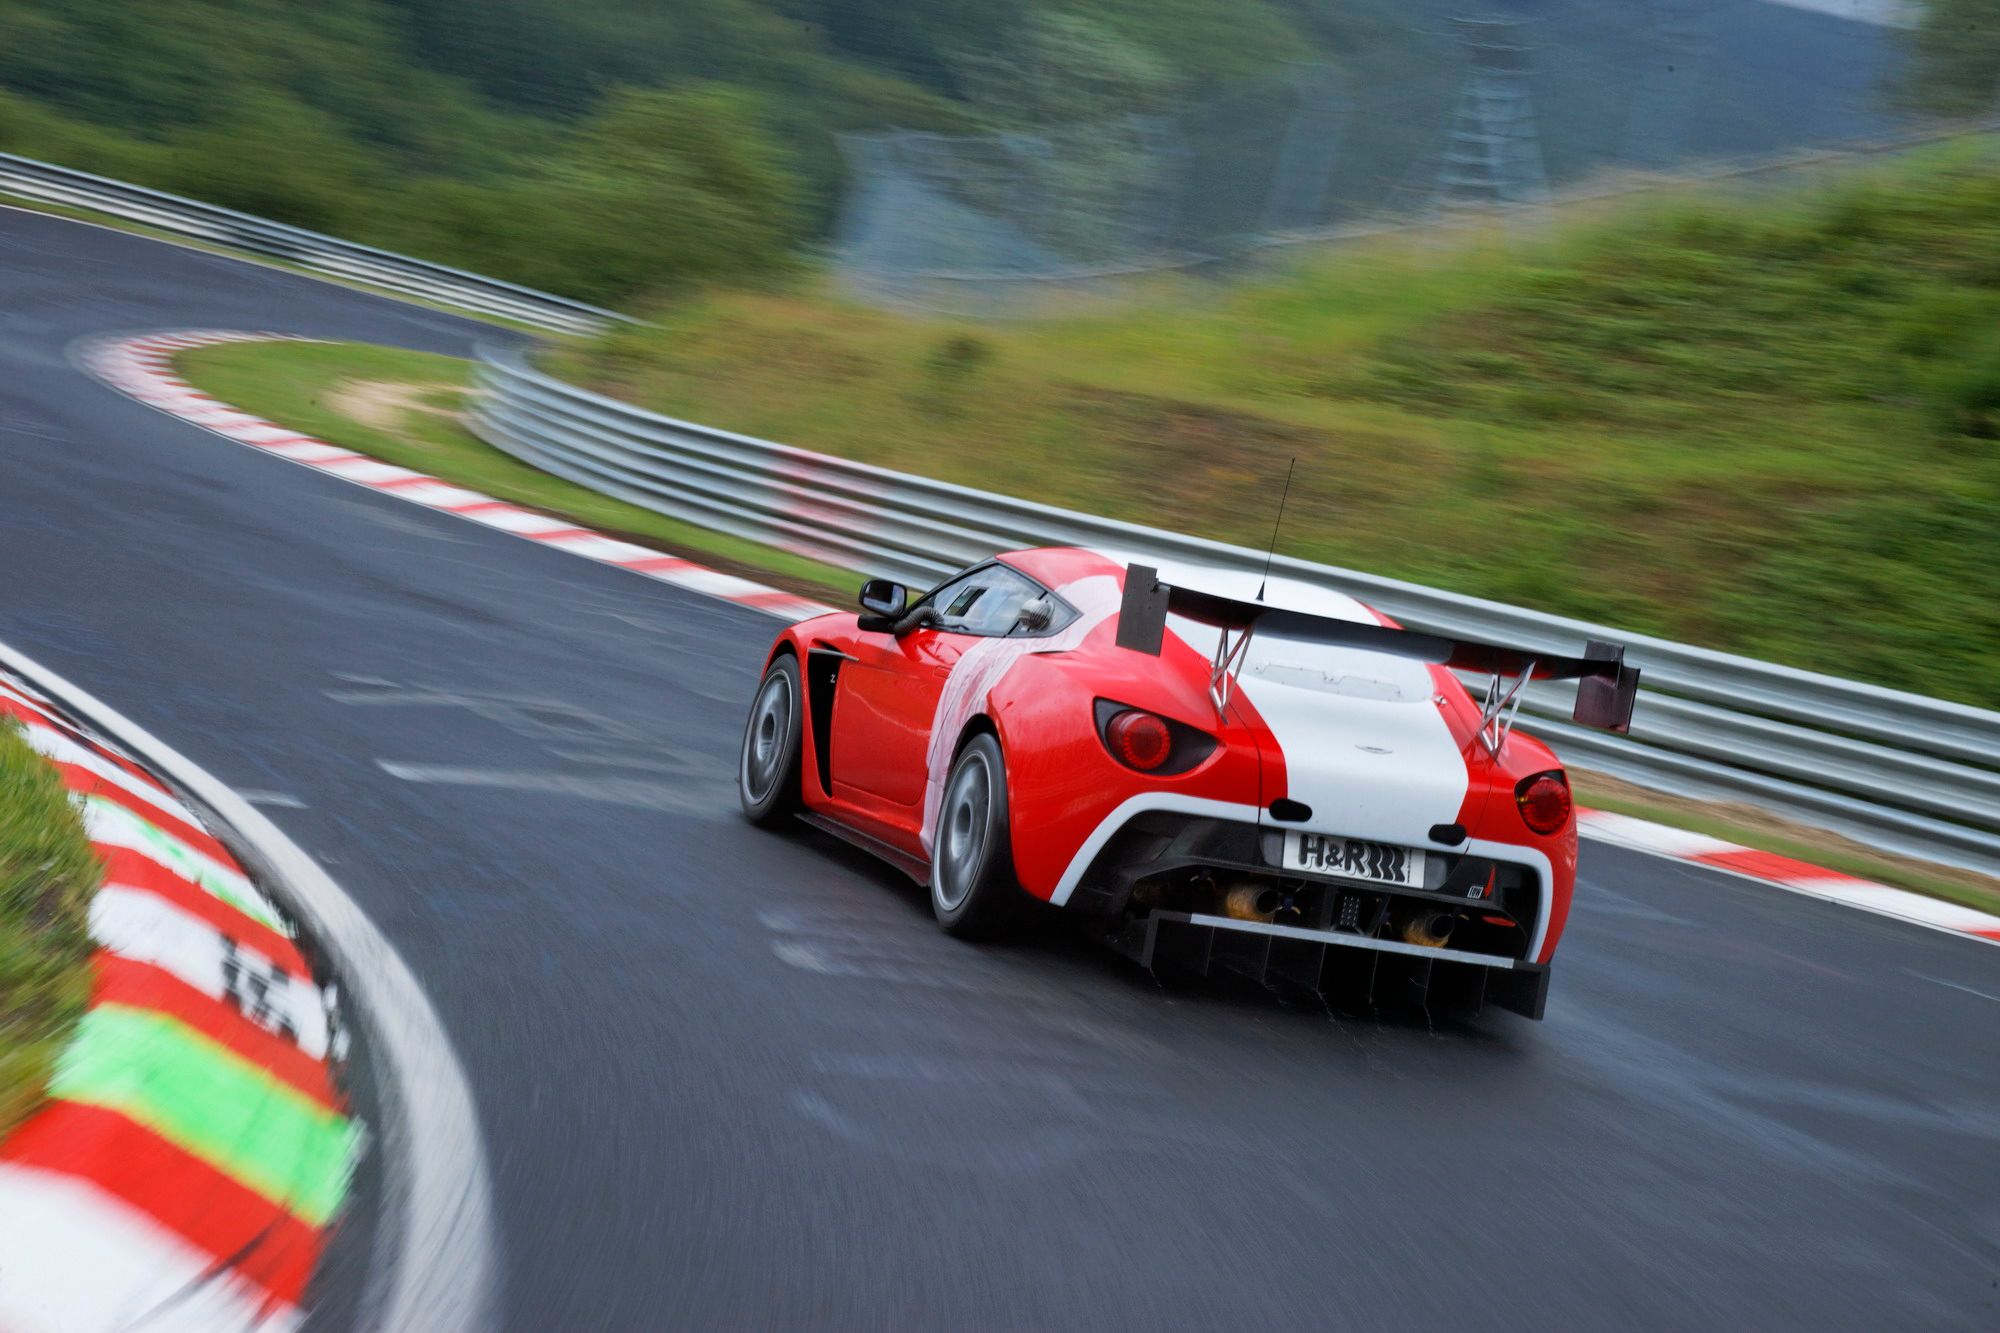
column 142, row 367
column 193, row 1150
column 1785, row 873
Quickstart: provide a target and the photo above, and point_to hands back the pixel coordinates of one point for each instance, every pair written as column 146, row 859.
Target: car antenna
column 1268, row 555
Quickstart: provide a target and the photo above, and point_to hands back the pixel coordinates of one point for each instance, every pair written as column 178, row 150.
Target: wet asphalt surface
column 736, row 1079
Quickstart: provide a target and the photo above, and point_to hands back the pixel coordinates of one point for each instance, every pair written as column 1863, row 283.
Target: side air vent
column 822, row 679
column 1290, row 811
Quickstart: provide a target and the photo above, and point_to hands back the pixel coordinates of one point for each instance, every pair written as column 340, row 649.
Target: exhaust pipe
column 1251, row 902
column 1430, row 929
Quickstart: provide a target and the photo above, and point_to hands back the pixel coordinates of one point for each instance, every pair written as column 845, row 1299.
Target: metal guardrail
column 28, row 178
column 1898, row 770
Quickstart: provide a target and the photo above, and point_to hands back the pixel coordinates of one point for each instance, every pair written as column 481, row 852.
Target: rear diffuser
column 1346, row 971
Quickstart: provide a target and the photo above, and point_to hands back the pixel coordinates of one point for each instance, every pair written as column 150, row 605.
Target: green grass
column 1800, row 842
column 1769, row 424
column 298, row 385
column 47, row 877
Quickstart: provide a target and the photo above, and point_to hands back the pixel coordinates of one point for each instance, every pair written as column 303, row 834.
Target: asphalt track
column 732, row 1079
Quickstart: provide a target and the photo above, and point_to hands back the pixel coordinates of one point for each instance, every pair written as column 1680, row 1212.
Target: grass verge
column 1749, row 826
column 47, row 876
column 403, row 407
column 1766, row 422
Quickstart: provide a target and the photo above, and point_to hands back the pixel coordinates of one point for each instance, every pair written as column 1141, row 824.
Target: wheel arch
column 985, row 723
column 979, row 724
column 995, row 886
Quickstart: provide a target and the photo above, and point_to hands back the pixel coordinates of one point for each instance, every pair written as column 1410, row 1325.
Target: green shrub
column 47, row 876
column 1964, row 391
column 276, row 159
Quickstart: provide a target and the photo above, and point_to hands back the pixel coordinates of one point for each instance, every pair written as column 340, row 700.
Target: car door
column 888, row 695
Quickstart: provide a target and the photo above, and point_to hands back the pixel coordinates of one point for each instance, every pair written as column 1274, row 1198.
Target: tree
column 667, row 187
column 918, row 39
column 266, row 154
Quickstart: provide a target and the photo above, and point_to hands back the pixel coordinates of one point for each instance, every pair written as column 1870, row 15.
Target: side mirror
column 882, row 604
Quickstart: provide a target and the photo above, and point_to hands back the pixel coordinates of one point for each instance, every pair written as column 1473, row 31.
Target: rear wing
column 1605, row 693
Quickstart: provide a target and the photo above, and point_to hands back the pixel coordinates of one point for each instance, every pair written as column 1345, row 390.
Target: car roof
column 1054, row 566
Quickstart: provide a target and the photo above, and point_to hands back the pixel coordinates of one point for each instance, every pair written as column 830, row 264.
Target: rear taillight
column 1140, row 740
column 1148, row 743
column 1544, row 802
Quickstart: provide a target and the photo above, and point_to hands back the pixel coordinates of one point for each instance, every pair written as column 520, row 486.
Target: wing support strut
column 1229, row 655
column 1498, row 709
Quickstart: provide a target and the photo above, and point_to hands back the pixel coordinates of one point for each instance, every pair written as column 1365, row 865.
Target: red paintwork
column 882, row 724
column 1062, row 783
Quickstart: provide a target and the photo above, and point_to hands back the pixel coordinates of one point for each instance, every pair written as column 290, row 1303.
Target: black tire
column 767, row 773
column 973, row 890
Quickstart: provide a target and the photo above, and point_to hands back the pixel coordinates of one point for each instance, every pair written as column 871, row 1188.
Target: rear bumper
column 1158, row 832
column 1343, row 968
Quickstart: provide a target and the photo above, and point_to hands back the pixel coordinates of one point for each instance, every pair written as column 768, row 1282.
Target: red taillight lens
column 1140, row 739
column 1544, row 802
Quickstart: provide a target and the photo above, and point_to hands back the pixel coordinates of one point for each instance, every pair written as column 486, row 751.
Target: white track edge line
column 433, row 1266
column 1758, row 880
column 77, row 354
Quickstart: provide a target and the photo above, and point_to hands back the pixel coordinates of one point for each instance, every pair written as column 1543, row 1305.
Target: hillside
column 475, row 131
column 604, row 147
column 1771, row 426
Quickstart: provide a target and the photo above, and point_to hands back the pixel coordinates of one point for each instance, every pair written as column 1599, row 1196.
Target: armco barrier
column 229, row 229
column 1899, row 770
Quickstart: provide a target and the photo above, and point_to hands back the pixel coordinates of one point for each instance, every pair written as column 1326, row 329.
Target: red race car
column 1292, row 787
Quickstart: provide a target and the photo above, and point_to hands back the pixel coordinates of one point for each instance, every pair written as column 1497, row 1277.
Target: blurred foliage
column 280, row 160
column 1067, row 70
column 327, row 117
column 585, row 146
column 47, row 877
column 1867, row 295
column 1957, row 68
column 658, row 188
column 1770, row 425
column 462, row 129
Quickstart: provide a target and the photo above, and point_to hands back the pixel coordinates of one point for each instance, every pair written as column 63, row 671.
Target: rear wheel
column 767, row 776
column 973, row 890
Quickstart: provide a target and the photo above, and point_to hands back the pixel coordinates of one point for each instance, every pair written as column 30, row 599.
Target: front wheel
column 767, row 776
column 973, row 890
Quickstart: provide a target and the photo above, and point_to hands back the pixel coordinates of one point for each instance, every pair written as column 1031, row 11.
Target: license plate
column 1353, row 858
